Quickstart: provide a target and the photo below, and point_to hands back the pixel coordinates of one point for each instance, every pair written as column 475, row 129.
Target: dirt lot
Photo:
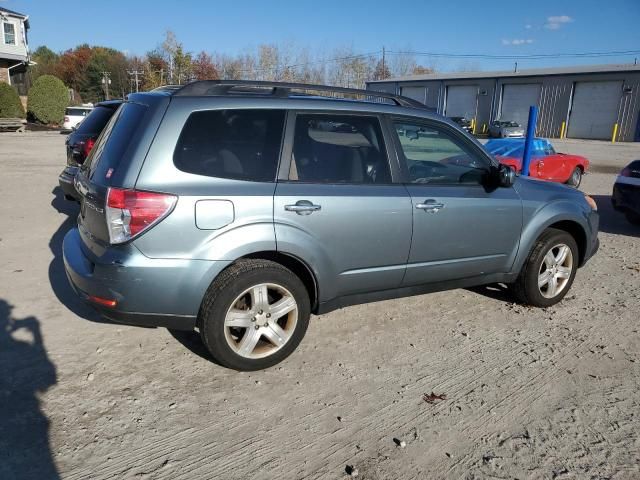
column 529, row 393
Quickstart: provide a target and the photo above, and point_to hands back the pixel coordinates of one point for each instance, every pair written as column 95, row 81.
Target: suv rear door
column 115, row 161
column 337, row 205
column 461, row 227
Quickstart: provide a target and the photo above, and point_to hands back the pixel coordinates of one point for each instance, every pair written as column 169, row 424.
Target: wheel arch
column 567, row 223
column 298, row 266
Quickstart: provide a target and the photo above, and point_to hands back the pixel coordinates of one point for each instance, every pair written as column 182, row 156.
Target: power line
column 384, row 52
column 315, row 62
column 517, row 57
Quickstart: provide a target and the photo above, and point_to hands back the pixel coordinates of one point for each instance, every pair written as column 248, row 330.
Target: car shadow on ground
column 26, row 374
column 191, row 341
column 57, row 275
column 495, row 291
column 612, row 221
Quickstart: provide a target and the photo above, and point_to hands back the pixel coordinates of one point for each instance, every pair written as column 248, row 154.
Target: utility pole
column 515, row 68
column 135, row 74
column 383, row 64
column 106, row 81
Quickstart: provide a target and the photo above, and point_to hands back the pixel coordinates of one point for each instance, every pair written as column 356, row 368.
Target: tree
column 47, row 100
column 10, row 105
column 155, row 69
column 402, row 64
column 45, row 62
column 182, row 66
column 72, row 67
column 422, row 70
column 203, row 67
column 381, row 71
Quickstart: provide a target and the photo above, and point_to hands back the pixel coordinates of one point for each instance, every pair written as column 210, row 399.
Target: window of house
column 9, row 33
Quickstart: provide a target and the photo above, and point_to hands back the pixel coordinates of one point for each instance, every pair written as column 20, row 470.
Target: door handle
column 303, row 207
column 430, row 206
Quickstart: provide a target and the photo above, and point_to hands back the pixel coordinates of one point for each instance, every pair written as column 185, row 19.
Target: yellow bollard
column 473, row 126
column 562, row 127
column 484, row 128
column 615, row 133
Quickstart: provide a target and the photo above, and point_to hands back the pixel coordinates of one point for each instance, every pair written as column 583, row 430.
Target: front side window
column 434, row 156
column 9, row 33
column 235, row 144
column 338, row 149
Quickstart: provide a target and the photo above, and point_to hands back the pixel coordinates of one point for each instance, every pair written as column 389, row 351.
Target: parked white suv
column 74, row 115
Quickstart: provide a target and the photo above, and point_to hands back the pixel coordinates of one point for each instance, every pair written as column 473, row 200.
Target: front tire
column 254, row 315
column 576, row 178
column 548, row 273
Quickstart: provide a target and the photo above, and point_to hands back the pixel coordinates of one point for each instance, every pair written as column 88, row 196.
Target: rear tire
column 549, row 271
column 254, row 315
column 576, row 178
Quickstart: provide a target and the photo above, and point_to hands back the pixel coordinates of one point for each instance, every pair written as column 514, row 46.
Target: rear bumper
column 148, row 292
column 65, row 180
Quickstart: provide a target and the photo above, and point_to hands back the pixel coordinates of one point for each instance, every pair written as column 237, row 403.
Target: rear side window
column 77, row 112
column 114, row 140
column 95, row 121
column 338, row 149
column 235, row 144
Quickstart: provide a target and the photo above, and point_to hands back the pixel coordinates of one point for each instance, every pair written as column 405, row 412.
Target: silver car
column 240, row 208
column 505, row 129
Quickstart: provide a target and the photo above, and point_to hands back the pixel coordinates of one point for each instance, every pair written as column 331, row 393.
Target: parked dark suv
column 80, row 142
column 240, row 208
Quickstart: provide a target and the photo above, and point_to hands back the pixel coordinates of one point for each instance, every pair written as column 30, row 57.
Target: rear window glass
column 96, row 120
column 236, row 144
column 114, row 140
column 77, row 112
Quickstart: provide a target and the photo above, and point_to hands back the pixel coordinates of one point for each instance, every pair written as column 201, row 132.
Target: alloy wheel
column 261, row 320
column 555, row 270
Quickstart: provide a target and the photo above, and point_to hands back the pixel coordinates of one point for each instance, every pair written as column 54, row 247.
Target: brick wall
column 4, row 71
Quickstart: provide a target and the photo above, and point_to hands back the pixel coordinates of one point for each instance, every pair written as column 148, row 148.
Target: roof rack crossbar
column 284, row 89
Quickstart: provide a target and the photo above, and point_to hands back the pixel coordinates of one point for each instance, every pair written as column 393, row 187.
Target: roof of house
column 510, row 73
column 12, row 12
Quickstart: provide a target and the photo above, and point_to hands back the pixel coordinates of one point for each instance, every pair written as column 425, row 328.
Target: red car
column 546, row 163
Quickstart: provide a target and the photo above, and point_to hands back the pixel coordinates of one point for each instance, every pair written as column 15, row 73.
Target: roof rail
column 284, row 89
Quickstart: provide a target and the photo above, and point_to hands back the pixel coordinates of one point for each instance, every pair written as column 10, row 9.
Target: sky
column 506, row 27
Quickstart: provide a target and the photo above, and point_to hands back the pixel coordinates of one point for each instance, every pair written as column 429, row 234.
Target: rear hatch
column 80, row 142
column 114, row 161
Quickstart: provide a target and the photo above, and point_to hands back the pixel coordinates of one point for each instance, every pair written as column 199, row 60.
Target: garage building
column 589, row 102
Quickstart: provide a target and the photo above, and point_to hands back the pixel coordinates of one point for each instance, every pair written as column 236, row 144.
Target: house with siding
column 14, row 49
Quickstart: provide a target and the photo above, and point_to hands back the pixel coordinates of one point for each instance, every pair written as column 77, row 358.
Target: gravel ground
column 518, row 392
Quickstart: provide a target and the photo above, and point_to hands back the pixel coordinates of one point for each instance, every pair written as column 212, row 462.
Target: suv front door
column 461, row 227
column 336, row 204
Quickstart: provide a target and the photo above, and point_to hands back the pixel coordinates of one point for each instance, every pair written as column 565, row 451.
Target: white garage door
column 594, row 109
column 417, row 93
column 516, row 100
column 462, row 101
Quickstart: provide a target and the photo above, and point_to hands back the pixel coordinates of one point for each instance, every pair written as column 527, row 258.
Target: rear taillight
column 131, row 212
column 626, row 172
column 87, row 146
column 66, row 119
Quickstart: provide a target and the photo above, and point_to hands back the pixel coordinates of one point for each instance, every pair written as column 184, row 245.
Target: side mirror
column 506, row 175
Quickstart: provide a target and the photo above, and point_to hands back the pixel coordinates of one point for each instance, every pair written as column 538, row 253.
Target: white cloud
column 528, row 27
column 517, row 41
column 556, row 21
